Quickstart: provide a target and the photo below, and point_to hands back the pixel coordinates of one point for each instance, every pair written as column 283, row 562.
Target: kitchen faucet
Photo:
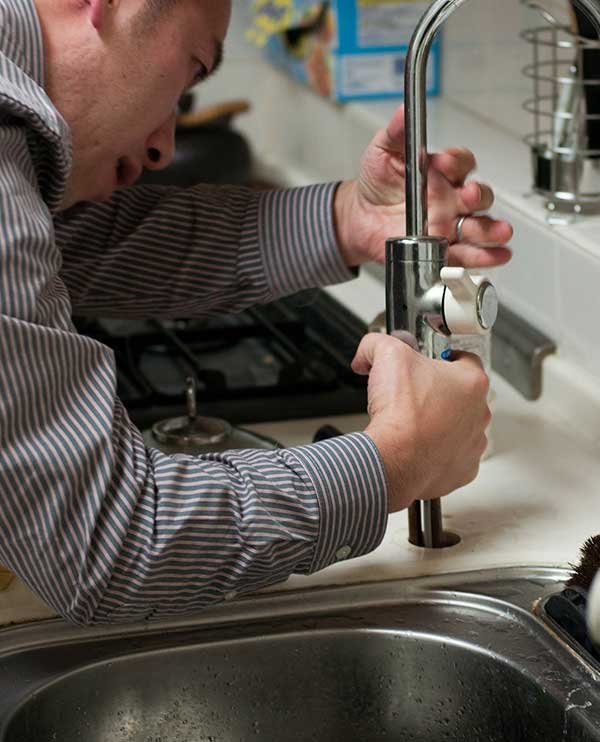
column 425, row 299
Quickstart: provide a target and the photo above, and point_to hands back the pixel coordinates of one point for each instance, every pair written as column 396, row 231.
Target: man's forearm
column 172, row 252
column 105, row 530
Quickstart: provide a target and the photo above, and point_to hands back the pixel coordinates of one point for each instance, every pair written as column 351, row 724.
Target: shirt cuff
column 349, row 479
column 297, row 239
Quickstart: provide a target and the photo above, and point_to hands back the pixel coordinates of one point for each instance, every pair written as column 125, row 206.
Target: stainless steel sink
column 454, row 658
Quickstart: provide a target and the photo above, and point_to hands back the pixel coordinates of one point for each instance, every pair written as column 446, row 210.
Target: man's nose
column 160, row 146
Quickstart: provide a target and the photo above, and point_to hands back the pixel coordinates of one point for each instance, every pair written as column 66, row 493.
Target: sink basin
column 456, row 658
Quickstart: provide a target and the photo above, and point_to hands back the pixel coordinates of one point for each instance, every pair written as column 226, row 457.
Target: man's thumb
column 392, row 137
column 365, row 355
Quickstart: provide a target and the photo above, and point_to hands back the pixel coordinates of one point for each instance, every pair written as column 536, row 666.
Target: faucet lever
column 470, row 303
column 459, row 282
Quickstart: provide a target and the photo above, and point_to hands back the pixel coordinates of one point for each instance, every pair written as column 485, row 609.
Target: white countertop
column 534, row 503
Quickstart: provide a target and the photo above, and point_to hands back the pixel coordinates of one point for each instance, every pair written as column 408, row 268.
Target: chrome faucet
column 425, row 299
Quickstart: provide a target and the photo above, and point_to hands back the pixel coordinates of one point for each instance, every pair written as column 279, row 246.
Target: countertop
column 534, row 503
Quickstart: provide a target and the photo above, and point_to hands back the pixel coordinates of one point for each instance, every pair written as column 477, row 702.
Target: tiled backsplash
column 555, row 283
column 554, row 277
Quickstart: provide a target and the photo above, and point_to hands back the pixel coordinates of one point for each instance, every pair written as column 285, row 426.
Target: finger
column 365, row 354
column 472, row 365
column 450, row 355
column 485, row 230
column 392, row 137
column 467, row 360
column 375, row 345
column 455, row 163
column 470, row 256
column 475, row 196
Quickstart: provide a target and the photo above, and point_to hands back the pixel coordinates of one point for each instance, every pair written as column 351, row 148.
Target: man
column 100, row 527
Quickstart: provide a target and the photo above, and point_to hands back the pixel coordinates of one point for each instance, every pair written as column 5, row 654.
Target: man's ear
column 98, row 10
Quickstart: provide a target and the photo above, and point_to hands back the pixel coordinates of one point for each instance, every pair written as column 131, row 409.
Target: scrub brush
column 589, row 564
column 568, row 609
column 586, row 576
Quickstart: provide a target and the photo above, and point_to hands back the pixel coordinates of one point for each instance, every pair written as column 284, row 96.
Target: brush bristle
column 589, row 564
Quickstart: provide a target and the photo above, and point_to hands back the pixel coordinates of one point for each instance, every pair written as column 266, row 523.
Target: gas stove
column 283, row 361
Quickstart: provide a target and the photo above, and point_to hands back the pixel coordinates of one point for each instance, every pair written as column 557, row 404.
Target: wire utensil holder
column 565, row 142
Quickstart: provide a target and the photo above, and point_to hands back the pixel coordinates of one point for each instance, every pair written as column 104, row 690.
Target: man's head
column 115, row 69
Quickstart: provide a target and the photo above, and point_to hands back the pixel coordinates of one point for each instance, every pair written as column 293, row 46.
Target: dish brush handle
column 593, row 615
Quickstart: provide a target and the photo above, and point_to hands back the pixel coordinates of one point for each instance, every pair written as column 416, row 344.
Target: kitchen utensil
column 586, row 579
column 566, row 112
column 588, row 566
column 590, row 65
column 565, row 143
column 574, row 613
column 196, row 435
column 567, row 612
column 594, row 611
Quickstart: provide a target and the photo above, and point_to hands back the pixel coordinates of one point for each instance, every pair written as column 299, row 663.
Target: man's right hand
column 428, row 418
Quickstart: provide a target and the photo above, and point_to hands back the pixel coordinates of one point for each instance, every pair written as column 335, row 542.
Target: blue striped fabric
column 102, row 528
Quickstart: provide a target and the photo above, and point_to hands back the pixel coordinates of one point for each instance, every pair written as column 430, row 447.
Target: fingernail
column 446, row 355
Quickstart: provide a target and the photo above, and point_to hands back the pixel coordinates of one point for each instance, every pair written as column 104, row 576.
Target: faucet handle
column 470, row 303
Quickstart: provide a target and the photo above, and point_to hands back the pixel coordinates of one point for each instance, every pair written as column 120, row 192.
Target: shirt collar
column 22, row 94
column 21, row 37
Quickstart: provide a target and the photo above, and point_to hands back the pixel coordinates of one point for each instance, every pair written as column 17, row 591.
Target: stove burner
column 290, row 359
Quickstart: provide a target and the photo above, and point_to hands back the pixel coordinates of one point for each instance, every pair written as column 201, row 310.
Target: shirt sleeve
column 107, row 530
column 156, row 251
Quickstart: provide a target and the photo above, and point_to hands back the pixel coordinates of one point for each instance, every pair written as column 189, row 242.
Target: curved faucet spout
column 416, row 105
column 415, row 264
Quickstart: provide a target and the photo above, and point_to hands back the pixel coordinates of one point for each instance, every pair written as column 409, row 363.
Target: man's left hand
column 371, row 209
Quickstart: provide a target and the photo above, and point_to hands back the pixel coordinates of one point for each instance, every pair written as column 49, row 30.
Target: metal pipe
column 414, row 263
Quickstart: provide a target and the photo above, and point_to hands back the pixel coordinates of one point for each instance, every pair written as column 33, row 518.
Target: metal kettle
column 196, row 435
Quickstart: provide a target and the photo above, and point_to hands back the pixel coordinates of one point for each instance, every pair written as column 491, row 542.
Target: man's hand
column 371, row 209
column 428, row 418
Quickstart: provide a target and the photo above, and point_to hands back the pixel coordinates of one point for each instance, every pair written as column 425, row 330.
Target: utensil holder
column 565, row 142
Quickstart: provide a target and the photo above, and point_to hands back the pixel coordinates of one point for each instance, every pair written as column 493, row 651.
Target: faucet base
column 432, row 535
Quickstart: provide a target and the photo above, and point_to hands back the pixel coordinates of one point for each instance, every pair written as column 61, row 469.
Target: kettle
column 195, row 435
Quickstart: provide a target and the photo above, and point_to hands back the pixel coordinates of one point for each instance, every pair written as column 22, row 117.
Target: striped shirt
column 102, row 528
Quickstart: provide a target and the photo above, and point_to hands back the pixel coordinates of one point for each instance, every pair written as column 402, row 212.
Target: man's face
column 118, row 85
